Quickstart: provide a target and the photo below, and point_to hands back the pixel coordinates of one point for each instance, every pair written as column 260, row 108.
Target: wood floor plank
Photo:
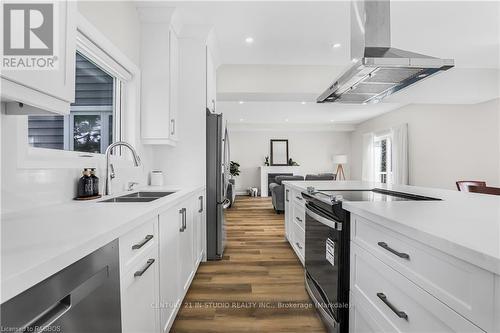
column 259, row 284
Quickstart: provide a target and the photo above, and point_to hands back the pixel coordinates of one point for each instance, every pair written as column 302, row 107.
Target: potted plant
column 234, row 170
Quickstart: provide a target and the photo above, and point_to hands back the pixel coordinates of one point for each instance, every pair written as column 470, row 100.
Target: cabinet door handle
column 201, row 204
column 286, row 195
column 400, row 314
column 184, row 219
column 142, row 243
column 181, row 211
column 145, row 268
column 172, row 132
column 298, row 218
column 299, row 198
column 213, row 104
column 388, row 248
column 298, row 245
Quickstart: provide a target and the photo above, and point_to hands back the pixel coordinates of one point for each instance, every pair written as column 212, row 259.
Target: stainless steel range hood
column 379, row 70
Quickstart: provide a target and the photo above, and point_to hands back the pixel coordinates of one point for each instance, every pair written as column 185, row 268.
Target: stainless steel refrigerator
column 218, row 163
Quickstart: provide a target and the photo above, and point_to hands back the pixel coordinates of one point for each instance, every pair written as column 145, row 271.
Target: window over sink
column 94, row 119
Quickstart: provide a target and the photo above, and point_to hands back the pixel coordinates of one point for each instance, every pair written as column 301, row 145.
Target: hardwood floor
column 259, row 284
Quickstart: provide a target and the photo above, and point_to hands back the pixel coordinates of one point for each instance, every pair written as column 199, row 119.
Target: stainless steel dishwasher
column 81, row 298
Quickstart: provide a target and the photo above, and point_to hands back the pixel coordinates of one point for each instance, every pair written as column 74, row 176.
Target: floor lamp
column 340, row 160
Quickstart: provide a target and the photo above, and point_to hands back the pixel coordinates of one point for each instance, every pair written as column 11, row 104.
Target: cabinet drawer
column 299, row 215
column 297, row 199
column 406, row 306
column 299, row 236
column 365, row 318
column 136, row 243
column 139, row 295
column 464, row 287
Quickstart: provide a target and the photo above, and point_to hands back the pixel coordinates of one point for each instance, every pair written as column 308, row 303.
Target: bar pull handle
column 299, row 198
column 298, row 218
column 286, row 195
column 49, row 316
column 172, row 122
column 298, row 245
column 181, row 211
column 145, row 268
column 142, row 243
column 184, row 222
column 201, row 204
column 400, row 314
column 388, row 248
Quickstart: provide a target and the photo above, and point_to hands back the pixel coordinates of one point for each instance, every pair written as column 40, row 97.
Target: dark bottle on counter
column 95, row 182
column 85, row 188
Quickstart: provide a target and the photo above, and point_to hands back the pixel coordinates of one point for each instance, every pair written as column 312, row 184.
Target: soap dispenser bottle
column 95, row 182
column 85, row 185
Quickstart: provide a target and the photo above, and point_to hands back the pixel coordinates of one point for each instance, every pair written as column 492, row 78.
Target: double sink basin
column 139, row 197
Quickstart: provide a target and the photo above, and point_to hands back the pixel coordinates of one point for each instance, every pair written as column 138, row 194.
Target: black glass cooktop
column 368, row 195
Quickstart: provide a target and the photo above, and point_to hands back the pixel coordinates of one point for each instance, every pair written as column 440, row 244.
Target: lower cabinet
column 170, row 294
column 158, row 261
column 139, row 290
column 295, row 221
column 181, row 249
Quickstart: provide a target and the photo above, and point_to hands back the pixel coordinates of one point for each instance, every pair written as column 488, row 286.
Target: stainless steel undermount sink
column 139, row 197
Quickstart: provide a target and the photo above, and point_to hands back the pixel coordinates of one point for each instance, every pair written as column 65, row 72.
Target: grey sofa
column 322, row 176
column 278, row 191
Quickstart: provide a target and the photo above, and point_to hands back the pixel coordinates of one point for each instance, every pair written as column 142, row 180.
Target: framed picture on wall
column 279, row 152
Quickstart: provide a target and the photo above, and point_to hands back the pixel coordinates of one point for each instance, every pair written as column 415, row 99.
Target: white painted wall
column 27, row 186
column 313, row 150
column 446, row 142
column 118, row 21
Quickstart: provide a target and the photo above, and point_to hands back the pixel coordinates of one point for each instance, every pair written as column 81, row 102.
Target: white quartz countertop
column 40, row 242
column 464, row 225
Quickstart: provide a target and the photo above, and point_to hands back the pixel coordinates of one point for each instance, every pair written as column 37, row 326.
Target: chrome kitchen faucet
column 110, row 171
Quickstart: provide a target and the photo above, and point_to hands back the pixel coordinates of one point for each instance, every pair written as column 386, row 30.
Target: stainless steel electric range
column 327, row 230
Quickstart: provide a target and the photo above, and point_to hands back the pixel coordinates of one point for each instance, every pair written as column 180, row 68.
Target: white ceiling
column 301, row 34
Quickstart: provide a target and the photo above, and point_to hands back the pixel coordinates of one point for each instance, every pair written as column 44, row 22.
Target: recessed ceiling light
column 249, row 40
column 241, row 119
column 303, row 102
column 241, row 102
column 331, row 120
column 336, row 45
column 286, row 119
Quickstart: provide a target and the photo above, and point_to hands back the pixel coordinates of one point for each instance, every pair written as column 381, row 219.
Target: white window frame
column 377, row 174
column 94, row 45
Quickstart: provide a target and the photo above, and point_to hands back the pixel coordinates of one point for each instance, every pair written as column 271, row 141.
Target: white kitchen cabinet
column 45, row 91
column 181, row 248
column 186, row 241
column 174, row 83
column 199, row 228
column 211, row 81
column 160, row 66
column 288, row 213
column 295, row 221
column 170, row 294
column 139, row 294
column 405, row 306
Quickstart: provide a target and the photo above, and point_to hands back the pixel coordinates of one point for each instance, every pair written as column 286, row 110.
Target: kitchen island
column 454, row 255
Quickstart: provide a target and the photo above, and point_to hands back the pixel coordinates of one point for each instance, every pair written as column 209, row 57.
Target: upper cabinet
column 160, row 64
column 50, row 89
column 211, row 81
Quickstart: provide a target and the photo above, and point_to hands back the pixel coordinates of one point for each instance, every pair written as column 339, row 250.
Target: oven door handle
column 331, row 223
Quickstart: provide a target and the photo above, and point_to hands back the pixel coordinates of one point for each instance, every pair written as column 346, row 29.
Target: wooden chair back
column 485, row 190
column 463, row 185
